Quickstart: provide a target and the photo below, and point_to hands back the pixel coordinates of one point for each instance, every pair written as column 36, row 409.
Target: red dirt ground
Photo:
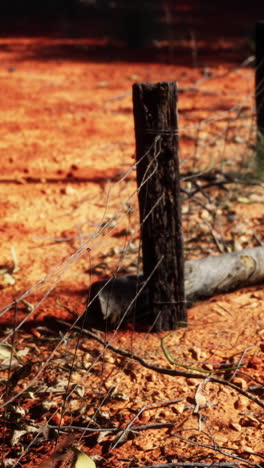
column 66, row 140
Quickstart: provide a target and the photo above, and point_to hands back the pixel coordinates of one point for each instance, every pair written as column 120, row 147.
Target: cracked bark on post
column 158, row 178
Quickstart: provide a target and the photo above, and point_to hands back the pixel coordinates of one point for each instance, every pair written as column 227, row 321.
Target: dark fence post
column 260, row 75
column 259, row 93
column 156, row 132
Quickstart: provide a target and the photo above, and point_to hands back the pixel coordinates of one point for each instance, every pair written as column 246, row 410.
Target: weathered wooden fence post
column 156, row 133
column 259, row 94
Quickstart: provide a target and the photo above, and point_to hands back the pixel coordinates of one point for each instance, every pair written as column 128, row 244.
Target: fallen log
column 213, row 275
column 123, row 299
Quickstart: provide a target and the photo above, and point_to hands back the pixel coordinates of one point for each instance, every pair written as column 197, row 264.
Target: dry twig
column 163, row 370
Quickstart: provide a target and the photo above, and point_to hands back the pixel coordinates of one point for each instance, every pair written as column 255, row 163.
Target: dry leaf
column 235, row 426
column 5, row 352
column 81, row 460
column 16, row 436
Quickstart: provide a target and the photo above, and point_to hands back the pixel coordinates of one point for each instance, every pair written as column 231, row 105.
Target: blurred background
column 132, row 23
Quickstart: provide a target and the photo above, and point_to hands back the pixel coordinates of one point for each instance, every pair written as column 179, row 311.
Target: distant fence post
column 259, row 93
column 260, row 75
column 158, row 179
